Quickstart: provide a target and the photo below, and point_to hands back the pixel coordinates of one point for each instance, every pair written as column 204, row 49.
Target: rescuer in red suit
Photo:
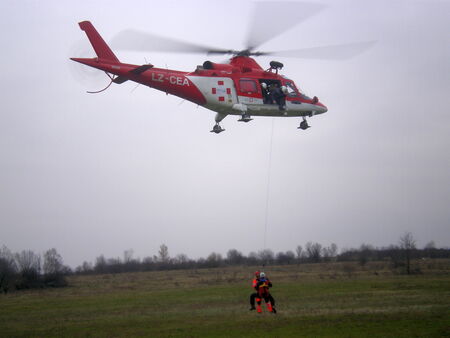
column 261, row 284
column 253, row 295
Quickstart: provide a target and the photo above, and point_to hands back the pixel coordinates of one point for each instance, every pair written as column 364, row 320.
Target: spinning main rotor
column 283, row 15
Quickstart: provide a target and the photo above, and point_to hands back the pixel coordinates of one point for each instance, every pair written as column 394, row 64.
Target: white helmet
column 284, row 89
column 264, row 85
column 262, row 275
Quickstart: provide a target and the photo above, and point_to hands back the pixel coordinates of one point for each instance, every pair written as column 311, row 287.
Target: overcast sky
column 132, row 168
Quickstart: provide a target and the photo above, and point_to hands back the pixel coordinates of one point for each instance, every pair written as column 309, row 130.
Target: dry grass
column 328, row 299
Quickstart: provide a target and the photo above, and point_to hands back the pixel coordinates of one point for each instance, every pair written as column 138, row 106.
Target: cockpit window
column 291, row 90
column 305, row 97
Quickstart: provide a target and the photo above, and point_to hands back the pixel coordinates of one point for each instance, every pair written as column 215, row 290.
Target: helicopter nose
column 322, row 107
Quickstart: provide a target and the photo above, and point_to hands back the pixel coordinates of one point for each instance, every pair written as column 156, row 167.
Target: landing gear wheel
column 304, row 125
column 217, row 129
column 245, row 118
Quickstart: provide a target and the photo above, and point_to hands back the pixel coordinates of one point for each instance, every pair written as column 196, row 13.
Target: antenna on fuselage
column 275, row 65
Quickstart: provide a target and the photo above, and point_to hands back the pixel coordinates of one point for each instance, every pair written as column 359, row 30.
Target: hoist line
column 266, row 221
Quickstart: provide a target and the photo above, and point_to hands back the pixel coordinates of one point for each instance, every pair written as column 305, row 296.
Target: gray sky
column 99, row 174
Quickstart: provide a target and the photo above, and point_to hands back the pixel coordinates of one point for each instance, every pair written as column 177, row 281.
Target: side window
column 248, row 86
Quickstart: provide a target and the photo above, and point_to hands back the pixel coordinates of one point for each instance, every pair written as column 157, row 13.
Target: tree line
column 24, row 270
column 399, row 255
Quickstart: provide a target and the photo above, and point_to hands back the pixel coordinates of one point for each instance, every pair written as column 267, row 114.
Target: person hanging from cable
column 262, row 287
column 255, row 294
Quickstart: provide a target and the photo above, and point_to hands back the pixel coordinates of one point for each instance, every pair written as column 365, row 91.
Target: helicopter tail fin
column 101, row 48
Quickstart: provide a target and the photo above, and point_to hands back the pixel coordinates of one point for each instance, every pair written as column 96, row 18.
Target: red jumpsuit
column 262, row 287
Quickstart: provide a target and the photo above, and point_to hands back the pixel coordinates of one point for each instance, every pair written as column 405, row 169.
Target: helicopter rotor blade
column 270, row 19
column 332, row 52
column 140, row 41
column 85, row 75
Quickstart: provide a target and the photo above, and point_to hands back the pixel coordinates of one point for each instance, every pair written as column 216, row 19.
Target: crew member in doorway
column 278, row 96
column 267, row 97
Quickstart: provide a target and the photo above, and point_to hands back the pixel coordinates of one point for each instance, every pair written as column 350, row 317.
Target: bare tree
column 407, row 244
column 29, row 267
column 333, row 250
column 299, row 253
column 430, row 249
column 181, row 259
column 53, row 263
column 234, row 257
column 114, row 265
column 325, row 254
column 266, row 256
column 214, row 260
column 252, row 258
column 281, row 258
column 290, row 256
column 148, row 260
column 85, row 268
column 128, row 256
column 100, row 264
column 364, row 253
column 313, row 252
column 8, row 269
column 285, row 257
column 54, row 269
column 430, row 245
column 164, row 254
column 329, row 252
column 129, row 263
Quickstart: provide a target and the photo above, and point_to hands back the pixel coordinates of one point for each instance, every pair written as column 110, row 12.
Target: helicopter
column 239, row 87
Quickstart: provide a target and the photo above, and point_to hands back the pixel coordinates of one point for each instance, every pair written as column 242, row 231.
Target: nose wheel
column 304, row 124
column 217, row 129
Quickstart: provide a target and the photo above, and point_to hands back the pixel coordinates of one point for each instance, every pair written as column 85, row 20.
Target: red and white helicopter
column 240, row 87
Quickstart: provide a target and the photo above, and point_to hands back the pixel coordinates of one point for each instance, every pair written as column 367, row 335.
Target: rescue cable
column 266, row 221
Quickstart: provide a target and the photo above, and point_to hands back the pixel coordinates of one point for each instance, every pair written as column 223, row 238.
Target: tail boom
column 166, row 80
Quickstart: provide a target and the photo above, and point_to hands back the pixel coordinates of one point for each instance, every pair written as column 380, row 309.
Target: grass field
column 313, row 300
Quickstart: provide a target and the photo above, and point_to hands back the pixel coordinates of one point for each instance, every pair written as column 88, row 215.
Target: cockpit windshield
column 292, row 91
